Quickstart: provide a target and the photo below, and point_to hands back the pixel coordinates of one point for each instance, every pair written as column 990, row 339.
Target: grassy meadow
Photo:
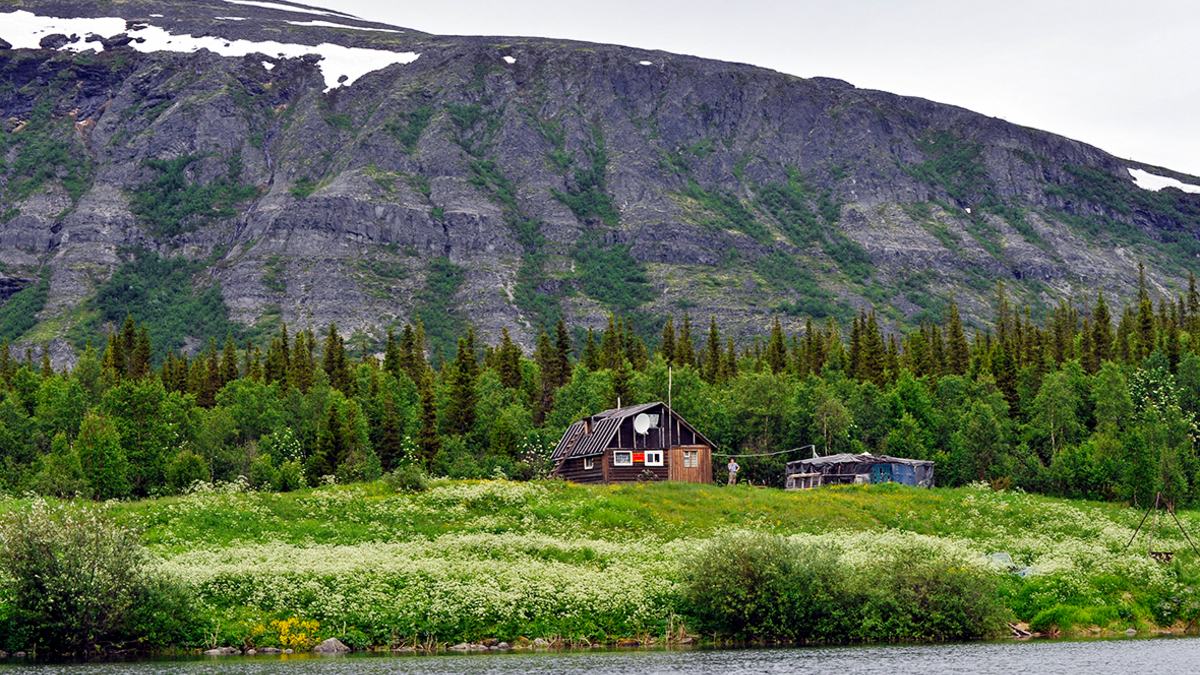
column 467, row 560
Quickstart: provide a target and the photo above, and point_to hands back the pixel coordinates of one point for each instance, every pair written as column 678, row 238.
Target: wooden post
column 1185, row 534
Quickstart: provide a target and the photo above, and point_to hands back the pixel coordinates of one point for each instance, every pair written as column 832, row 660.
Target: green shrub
column 290, row 476
column 588, row 198
column 730, row 212
column 80, row 584
column 304, row 186
column 263, row 475
column 762, row 587
column 407, row 478
column 435, row 306
column 186, row 468
column 921, row 596
column 408, row 127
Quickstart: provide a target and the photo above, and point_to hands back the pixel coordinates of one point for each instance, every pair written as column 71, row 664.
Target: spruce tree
column 334, row 362
column 460, row 413
column 139, row 361
column 1102, row 331
column 508, row 362
column 47, row 369
column 331, row 446
column 591, row 352
column 229, row 369
column 1146, row 337
column 667, row 348
column 562, row 353
column 428, row 440
column 872, row 356
column 776, row 356
column 958, row 352
column 712, row 353
column 685, row 353
column 392, row 358
column 390, row 446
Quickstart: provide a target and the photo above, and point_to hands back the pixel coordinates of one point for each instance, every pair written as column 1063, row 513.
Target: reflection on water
column 1164, row 656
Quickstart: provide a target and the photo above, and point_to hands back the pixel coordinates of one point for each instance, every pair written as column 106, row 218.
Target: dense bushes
column 75, row 583
column 764, row 587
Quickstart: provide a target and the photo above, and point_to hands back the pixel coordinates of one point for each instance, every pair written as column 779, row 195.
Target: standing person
column 733, row 470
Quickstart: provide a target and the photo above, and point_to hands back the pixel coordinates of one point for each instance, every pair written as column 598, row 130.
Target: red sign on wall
column 639, row 457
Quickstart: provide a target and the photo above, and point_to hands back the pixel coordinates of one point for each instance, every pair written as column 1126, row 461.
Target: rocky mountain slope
column 331, row 169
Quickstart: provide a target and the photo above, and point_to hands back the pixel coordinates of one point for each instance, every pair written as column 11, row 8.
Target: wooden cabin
column 625, row 445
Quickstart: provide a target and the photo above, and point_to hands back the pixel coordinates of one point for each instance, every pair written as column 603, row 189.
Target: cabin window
column 588, row 463
column 654, row 458
column 691, row 459
column 622, row 458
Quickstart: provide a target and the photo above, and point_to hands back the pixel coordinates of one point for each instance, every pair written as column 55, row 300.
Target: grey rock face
column 223, row 651
column 356, row 200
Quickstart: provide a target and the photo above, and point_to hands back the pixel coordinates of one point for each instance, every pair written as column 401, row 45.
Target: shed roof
column 803, row 465
column 576, row 442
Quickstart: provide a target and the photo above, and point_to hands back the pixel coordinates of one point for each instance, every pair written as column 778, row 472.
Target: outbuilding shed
column 634, row 443
column 865, row 468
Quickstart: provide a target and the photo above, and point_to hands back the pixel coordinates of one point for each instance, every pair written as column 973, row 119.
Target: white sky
column 1118, row 75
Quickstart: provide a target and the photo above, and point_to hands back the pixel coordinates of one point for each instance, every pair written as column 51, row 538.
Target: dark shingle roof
column 577, row 443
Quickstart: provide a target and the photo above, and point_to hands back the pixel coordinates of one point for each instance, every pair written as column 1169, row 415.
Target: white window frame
column 691, row 459
column 658, row 461
column 588, row 464
column 622, row 457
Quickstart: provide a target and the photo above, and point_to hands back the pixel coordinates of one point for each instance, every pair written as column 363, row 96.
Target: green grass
column 665, row 511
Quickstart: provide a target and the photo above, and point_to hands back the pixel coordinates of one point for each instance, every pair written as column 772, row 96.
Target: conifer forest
column 1083, row 404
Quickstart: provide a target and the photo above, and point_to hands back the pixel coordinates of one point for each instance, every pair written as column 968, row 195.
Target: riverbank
column 467, row 561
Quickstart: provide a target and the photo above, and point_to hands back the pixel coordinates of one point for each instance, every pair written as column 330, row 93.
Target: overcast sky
column 1118, row 75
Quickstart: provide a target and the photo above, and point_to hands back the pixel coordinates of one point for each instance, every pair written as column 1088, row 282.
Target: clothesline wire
column 764, row 454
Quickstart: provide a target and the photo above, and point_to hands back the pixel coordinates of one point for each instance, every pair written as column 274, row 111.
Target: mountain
column 214, row 167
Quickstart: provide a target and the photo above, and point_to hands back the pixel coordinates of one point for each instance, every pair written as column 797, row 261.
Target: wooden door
column 700, row 470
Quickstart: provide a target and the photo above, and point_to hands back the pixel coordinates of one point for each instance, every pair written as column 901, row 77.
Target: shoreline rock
column 332, row 646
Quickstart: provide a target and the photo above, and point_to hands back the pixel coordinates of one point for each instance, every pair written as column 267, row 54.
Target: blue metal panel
column 904, row 474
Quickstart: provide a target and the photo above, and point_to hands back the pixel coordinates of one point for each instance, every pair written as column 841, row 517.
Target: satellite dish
column 641, row 424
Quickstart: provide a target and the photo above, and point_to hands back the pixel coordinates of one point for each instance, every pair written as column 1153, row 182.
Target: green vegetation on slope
column 435, row 306
column 19, row 313
column 172, row 204
column 41, row 156
column 612, row 275
column 162, row 294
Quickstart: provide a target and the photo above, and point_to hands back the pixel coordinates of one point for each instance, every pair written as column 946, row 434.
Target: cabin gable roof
column 577, row 442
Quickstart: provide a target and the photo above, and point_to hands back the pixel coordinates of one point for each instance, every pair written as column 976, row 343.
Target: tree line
column 1078, row 404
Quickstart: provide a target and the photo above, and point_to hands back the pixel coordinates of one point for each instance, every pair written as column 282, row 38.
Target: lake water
column 1159, row 656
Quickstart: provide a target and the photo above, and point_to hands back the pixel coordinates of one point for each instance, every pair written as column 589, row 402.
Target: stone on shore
column 331, row 646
